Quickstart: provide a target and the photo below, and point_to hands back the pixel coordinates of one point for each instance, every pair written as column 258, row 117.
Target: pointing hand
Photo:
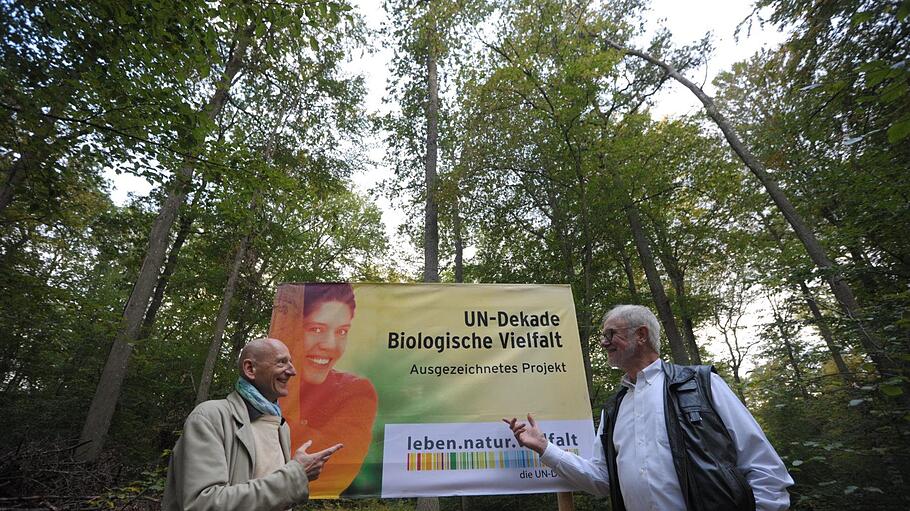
column 313, row 463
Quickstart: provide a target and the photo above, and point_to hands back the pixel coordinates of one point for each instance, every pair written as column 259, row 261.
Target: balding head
column 266, row 363
column 256, row 350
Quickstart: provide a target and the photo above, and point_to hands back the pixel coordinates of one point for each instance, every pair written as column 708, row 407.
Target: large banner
column 414, row 380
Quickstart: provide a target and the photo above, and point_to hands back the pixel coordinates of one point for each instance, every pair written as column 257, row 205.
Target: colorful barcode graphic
column 474, row 460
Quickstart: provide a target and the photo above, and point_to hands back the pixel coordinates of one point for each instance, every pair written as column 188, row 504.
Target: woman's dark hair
column 315, row 295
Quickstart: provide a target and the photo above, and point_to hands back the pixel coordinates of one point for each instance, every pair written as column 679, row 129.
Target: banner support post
column 564, row 501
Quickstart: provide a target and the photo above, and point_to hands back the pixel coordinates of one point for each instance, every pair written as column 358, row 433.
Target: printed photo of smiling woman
column 327, row 406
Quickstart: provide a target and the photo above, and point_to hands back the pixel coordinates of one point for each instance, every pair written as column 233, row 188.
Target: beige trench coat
column 212, row 463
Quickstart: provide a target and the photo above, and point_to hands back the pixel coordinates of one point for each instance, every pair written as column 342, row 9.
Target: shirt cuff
column 552, row 455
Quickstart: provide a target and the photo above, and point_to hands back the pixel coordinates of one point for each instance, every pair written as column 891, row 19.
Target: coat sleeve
column 755, row 457
column 199, row 478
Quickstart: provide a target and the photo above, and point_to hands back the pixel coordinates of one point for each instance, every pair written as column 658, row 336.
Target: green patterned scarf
column 255, row 398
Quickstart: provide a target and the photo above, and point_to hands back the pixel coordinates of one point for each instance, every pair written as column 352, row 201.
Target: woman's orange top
column 339, row 410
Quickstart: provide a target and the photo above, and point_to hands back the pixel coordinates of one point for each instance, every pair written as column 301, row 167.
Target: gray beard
column 622, row 356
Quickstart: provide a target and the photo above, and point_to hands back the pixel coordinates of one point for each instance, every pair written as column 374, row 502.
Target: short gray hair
column 635, row 316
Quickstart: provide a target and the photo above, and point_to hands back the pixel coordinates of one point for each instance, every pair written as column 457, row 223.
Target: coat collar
column 244, row 432
column 676, row 374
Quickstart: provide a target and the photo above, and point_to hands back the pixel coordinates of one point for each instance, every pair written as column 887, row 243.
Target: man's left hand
column 313, row 463
column 528, row 435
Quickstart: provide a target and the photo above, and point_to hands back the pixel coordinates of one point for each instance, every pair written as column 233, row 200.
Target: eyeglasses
column 608, row 333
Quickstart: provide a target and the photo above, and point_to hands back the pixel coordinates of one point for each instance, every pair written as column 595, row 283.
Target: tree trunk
column 584, row 335
column 862, row 268
column 825, row 332
column 678, row 279
column 689, row 331
column 630, row 274
column 559, row 229
column 679, row 286
column 459, row 244
column 245, row 318
column 739, row 387
column 183, row 232
column 30, row 158
column 736, row 354
column 241, row 332
column 839, row 287
column 101, row 410
column 585, row 317
column 677, row 348
column 861, row 263
column 558, row 226
column 15, row 176
column 819, row 320
column 431, row 213
column 791, row 353
column 208, row 371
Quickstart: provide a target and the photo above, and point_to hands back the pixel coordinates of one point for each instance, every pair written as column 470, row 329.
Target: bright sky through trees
column 688, row 21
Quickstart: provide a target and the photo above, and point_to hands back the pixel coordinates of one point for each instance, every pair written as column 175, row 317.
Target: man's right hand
column 531, row 437
column 313, row 463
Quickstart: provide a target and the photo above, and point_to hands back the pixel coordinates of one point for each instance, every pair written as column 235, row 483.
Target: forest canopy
column 521, row 145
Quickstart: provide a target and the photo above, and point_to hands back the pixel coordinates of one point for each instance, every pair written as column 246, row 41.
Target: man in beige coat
column 235, row 452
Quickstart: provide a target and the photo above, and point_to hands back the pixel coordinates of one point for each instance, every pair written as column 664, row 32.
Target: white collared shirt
column 647, row 478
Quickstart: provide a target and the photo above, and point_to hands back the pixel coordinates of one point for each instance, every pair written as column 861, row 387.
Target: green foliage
column 546, row 141
column 842, row 445
column 150, row 483
column 826, row 113
column 101, row 85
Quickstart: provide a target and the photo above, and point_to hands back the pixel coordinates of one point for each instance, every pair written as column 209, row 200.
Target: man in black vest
column 673, row 438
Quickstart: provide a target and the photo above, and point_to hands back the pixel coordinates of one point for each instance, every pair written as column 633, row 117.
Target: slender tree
column 101, row 410
column 839, row 287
